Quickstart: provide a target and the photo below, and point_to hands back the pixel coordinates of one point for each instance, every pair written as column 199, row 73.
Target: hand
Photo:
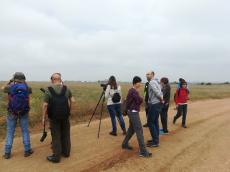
column 176, row 108
column 44, row 120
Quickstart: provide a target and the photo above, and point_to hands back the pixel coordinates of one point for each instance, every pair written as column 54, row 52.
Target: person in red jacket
column 181, row 99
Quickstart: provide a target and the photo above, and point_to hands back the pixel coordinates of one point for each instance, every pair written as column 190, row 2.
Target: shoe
column 7, row 156
column 145, row 126
column 65, row 155
column 53, row 159
column 174, row 120
column 127, row 147
column 166, row 132
column 145, row 155
column 113, row 133
column 152, row 145
column 28, row 153
column 184, row 126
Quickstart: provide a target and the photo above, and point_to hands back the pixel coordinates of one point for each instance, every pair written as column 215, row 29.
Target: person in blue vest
column 18, row 110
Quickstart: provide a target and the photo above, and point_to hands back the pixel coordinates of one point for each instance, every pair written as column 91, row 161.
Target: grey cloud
column 89, row 40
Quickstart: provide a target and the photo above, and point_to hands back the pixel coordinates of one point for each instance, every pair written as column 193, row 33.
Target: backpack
column 179, row 90
column 116, row 97
column 19, row 99
column 58, row 106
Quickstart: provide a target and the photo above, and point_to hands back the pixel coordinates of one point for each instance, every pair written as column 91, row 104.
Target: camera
column 104, row 86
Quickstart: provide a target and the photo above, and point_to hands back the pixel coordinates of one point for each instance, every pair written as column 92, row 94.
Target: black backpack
column 58, row 107
column 116, row 97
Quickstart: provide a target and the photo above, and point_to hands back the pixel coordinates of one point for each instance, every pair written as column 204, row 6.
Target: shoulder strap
column 179, row 92
column 64, row 89
column 51, row 90
column 53, row 93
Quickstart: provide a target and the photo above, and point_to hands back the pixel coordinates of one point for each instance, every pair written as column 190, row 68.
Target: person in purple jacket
column 133, row 103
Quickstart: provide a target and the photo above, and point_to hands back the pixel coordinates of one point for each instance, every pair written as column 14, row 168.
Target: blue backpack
column 19, row 99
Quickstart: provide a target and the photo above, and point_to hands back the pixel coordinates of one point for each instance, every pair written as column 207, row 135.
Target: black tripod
column 102, row 98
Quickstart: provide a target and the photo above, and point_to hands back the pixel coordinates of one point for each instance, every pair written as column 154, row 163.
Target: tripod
column 102, row 98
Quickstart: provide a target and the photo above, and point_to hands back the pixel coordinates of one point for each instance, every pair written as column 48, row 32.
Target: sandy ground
column 203, row 147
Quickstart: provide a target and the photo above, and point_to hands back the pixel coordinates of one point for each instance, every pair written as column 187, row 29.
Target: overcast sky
column 93, row 39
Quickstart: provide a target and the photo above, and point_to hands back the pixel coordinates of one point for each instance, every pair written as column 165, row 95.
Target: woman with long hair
column 113, row 94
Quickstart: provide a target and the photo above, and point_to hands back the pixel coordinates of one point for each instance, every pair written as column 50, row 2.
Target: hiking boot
column 152, row 145
column 166, row 132
column 146, row 125
column 127, row 147
column 53, row 159
column 113, row 133
column 145, row 155
column 28, row 153
column 7, row 156
column 184, row 126
column 65, row 155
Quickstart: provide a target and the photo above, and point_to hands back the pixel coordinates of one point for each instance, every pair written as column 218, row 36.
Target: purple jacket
column 133, row 100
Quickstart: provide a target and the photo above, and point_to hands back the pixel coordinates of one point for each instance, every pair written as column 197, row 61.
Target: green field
column 87, row 95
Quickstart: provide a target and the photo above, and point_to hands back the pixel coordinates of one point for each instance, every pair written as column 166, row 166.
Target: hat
column 19, row 76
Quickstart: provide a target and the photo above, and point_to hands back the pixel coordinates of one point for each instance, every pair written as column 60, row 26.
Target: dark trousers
column 182, row 111
column 153, row 121
column 164, row 117
column 135, row 126
column 60, row 132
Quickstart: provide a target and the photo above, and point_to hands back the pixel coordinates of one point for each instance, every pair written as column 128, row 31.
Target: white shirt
column 109, row 94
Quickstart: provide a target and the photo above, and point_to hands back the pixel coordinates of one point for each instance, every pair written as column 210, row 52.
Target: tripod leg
column 102, row 107
column 95, row 109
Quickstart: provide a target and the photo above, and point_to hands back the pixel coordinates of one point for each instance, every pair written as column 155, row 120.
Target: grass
column 87, row 95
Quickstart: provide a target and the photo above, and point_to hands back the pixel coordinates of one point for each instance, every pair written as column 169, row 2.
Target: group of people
column 58, row 101
column 157, row 100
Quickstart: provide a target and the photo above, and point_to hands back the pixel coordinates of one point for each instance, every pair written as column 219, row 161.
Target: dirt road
column 203, row 147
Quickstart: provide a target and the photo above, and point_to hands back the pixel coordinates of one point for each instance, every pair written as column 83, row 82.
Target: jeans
column 182, row 111
column 164, row 117
column 11, row 125
column 153, row 122
column 115, row 111
column 135, row 126
column 60, row 133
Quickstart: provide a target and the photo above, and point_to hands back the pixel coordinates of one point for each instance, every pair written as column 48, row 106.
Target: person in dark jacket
column 134, row 102
column 146, row 93
column 166, row 90
column 57, row 104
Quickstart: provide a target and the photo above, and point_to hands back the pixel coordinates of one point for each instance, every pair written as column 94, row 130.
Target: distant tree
column 226, row 83
column 209, row 83
column 202, row 83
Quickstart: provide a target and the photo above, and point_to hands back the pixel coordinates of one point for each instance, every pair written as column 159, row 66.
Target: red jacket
column 181, row 96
